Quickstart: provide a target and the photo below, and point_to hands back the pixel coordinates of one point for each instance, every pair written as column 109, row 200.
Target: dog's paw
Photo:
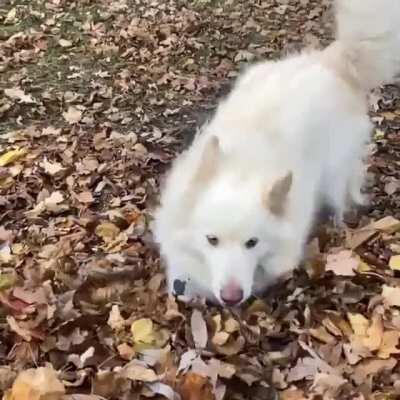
column 179, row 287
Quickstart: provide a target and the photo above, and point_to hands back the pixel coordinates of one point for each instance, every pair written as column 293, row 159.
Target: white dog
column 239, row 203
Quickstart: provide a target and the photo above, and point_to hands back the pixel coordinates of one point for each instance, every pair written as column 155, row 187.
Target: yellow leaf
column 7, row 281
column 394, row 263
column 142, row 331
column 363, row 267
column 36, row 384
column 359, row 323
column 107, row 231
column 374, row 334
column 389, row 344
column 11, row 156
column 322, row 335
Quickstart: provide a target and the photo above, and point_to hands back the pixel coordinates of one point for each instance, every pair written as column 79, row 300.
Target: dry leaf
column 11, row 156
column 374, row 334
column 199, row 329
column 19, row 94
column 51, row 168
column 372, row 367
column 85, row 197
column 195, row 387
column 107, row 231
column 36, row 384
column 51, row 203
column 358, row 323
column 138, row 372
column 323, row 335
column 142, row 331
column 391, row 295
column 389, row 343
column 65, row 43
column 73, row 115
column 115, row 320
column 343, row 263
column 394, row 263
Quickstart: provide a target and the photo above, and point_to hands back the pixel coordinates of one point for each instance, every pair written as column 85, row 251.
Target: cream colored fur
column 303, row 117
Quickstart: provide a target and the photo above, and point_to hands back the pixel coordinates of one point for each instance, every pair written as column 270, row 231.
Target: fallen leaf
column 107, row 231
column 51, row 203
column 142, row 331
column 115, row 320
column 372, row 367
column 65, row 43
column 322, row 334
column 36, row 384
column 374, row 334
column 85, row 197
column 358, row 323
column 343, row 263
column 394, row 263
column 19, row 94
column 51, row 168
column 11, row 156
column 72, row 115
column 391, row 295
column 195, row 387
column 389, row 343
column 138, row 372
column 199, row 329
column 7, row 280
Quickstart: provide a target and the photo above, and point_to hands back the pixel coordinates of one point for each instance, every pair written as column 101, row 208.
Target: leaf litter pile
column 96, row 99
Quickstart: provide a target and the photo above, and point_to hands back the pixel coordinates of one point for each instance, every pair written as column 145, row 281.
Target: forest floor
column 97, row 97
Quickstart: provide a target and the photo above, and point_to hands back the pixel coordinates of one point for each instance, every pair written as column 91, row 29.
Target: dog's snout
column 231, row 294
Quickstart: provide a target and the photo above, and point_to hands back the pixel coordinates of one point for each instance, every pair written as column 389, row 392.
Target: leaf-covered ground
column 96, row 99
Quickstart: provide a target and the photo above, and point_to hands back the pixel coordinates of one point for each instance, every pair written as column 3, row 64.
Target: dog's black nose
column 231, row 295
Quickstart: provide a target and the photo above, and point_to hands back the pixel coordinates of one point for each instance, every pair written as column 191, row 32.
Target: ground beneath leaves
column 96, row 99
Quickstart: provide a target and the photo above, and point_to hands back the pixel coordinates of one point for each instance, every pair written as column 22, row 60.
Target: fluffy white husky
column 238, row 205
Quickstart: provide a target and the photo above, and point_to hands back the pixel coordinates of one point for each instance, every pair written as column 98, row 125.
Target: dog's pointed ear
column 276, row 198
column 208, row 163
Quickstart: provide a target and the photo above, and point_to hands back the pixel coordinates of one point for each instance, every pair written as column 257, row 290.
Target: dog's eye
column 251, row 243
column 213, row 240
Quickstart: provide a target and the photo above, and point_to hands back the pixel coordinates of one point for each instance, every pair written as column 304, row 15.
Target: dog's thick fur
column 288, row 138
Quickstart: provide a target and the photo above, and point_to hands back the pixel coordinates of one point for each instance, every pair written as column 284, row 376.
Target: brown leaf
column 195, row 387
column 372, row 367
column 85, row 197
column 343, row 263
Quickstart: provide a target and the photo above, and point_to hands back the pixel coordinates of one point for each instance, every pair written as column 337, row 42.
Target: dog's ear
column 208, row 164
column 276, row 198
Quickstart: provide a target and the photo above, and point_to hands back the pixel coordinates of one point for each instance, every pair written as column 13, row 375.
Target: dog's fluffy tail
column 368, row 32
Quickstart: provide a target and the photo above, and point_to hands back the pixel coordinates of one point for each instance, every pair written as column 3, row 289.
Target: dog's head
column 234, row 225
